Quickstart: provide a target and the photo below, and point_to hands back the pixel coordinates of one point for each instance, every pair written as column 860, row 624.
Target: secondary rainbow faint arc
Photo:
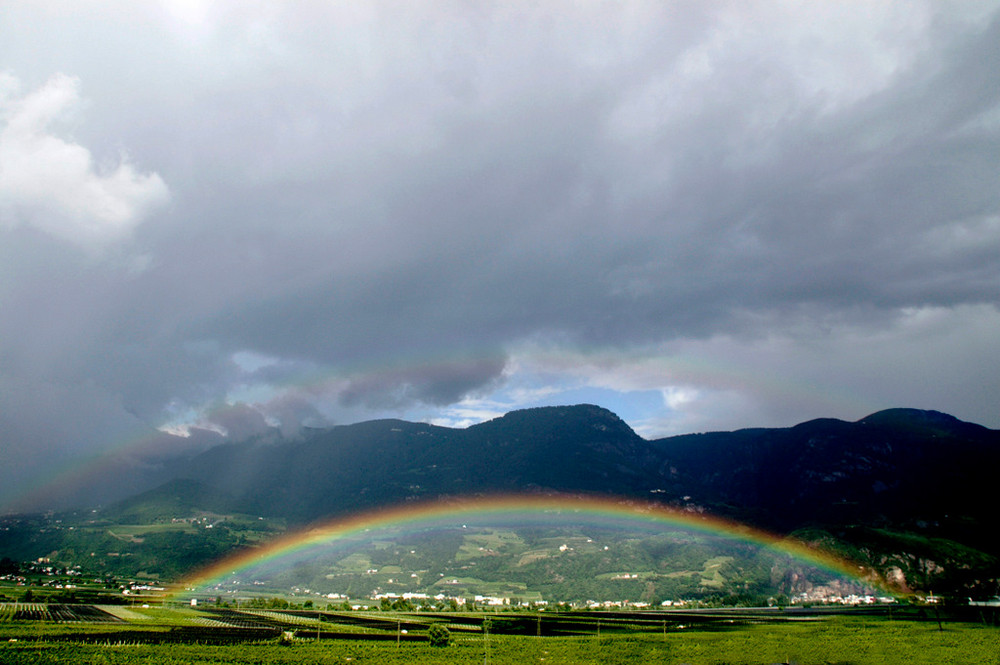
column 456, row 510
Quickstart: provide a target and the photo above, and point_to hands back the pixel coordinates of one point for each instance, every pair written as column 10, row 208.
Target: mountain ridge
column 773, row 477
column 901, row 490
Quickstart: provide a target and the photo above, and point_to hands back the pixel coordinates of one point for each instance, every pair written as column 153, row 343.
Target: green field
column 599, row 638
column 834, row 642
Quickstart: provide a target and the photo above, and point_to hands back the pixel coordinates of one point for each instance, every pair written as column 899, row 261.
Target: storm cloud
column 223, row 217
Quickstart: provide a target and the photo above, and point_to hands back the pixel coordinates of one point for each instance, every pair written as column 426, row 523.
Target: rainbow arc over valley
column 510, row 510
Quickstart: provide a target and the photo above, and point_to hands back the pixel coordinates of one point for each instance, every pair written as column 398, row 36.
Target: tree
column 439, row 636
column 402, row 605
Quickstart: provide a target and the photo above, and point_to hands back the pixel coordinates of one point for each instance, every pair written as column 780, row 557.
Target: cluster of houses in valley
column 503, row 601
column 618, row 604
column 853, row 599
column 488, row 601
column 820, row 597
column 42, row 567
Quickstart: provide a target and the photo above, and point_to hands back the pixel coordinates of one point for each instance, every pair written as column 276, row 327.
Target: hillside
column 344, row 469
column 903, row 490
column 902, row 467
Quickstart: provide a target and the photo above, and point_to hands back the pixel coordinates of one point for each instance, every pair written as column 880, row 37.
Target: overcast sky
column 218, row 216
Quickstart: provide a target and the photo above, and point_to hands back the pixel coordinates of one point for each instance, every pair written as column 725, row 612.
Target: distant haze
column 219, row 217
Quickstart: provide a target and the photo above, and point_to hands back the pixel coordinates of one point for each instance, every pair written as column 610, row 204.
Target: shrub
column 439, row 636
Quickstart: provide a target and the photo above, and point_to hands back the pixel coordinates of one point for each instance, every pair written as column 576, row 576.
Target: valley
column 854, row 493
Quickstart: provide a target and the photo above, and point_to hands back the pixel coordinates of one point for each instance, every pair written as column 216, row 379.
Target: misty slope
column 335, row 471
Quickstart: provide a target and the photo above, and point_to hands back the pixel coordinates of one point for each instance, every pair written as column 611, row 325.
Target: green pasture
column 488, row 543
column 837, row 640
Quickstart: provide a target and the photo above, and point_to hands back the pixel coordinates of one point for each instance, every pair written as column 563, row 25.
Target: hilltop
column 902, row 490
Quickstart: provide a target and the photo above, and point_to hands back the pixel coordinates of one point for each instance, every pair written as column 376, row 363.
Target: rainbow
column 513, row 510
column 62, row 479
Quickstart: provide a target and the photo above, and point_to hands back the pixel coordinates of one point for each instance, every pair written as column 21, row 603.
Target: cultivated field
column 41, row 634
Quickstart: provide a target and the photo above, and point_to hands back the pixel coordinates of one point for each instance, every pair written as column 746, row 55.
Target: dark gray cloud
column 239, row 218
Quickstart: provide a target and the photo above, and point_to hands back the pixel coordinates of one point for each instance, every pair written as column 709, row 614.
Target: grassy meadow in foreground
column 839, row 640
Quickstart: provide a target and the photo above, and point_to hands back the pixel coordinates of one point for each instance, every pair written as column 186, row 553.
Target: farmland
column 172, row 634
